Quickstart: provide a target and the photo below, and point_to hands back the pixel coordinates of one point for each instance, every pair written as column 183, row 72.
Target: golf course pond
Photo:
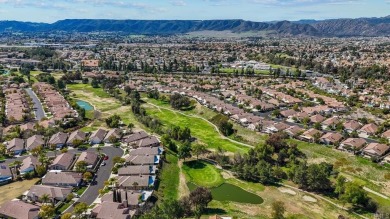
column 229, row 192
column 85, row 105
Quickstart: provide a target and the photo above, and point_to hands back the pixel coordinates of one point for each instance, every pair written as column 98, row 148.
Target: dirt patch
column 287, row 191
column 15, row 189
column 309, row 199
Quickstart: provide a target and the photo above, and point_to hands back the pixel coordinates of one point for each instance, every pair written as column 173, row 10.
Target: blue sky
column 255, row 10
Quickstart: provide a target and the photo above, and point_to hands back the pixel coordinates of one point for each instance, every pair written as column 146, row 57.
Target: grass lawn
column 65, row 206
column 104, row 103
column 202, row 174
column 169, row 178
column 200, row 129
column 81, row 190
column 13, row 190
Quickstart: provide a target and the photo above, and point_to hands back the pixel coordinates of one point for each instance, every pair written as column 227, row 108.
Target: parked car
column 103, row 164
column 105, row 157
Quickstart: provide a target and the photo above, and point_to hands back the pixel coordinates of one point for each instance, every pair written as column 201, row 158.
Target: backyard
column 15, row 189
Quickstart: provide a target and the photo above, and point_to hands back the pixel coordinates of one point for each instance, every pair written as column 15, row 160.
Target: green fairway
column 87, row 87
column 202, row 174
column 169, row 178
column 200, row 129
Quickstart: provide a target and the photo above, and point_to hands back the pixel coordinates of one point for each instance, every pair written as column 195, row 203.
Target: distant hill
column 330, row 28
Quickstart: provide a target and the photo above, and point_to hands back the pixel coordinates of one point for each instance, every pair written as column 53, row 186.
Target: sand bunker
column 309, row 198
column 288, row 191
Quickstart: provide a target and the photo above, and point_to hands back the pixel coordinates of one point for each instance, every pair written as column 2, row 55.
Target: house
column 55, row 194
column 28, row 165
column 110, row 210
column 288, row 113
column 294, row 131
column 130, row 198
column 277, row 127
column 97, row 136
column 63, row 161
column 311, row 135
column 330, row 123
column 150, row 141
column 113, row 136
column 368, row 130
column 136, row 137
column 143, row 159
column 137, row 170
column 386, row 134
column 317, row 118
column 351, row 126
column 76, row 135
column 15, row 146
column 376, row 150
column 19, row 210
column 137, row 182
column 5, row 174
column 353, row 144
column 62, row 179
column 331, row 138
column 91, row 158
column 34, row 142
column 58, row 140
column 147, row 150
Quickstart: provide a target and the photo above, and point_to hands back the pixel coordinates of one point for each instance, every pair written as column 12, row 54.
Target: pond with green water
column 229, row 192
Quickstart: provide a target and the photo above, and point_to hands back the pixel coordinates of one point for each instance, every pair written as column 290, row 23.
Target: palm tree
column 99, row 150
column 45, row 198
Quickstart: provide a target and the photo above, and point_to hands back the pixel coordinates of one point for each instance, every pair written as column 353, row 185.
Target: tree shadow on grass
column 195, row 164
column 215, row 211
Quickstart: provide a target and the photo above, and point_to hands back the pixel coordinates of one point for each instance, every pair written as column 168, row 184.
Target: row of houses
column 17, row 146
column 136, row 179
column 54, row 101
column 58, row 183
column 17, row 108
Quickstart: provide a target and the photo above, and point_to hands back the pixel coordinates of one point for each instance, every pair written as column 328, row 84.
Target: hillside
column 329, row 28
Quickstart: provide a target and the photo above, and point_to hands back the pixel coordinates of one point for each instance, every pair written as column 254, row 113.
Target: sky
column 50, row 11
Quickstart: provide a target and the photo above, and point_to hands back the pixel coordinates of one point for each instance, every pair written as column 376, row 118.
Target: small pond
column 229, row 192
column 84, row 105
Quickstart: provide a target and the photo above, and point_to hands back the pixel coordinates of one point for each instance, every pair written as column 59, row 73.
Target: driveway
column 38, row 109
column 103, row 174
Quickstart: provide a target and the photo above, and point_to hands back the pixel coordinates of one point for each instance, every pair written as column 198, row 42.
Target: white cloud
column 178, row 3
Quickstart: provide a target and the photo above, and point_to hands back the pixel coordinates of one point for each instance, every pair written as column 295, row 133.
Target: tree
column 199, row 199
column 185, row 151
column 47, row 211
column 113, row 121
column 61, row 84
column 66, row 216
column 278, row 210
column 172, row 209
column 40, row 170
column 264, row 171
column 3, row 149
column 127, row 89
column 198, row 149
column 45, row 198
column 36, row 151
column 80, row 209
column 95, row 83
column 81, row 166
column 354, row 194
column 87, row 176
column 99, row 150
column 117, row 160
column 69, row 197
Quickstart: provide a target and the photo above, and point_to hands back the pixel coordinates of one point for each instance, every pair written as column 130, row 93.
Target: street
column 103, row 174
column 38, row 109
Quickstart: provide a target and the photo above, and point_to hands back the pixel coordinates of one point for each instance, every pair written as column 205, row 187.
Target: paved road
column 103, row 174
column 38, row 109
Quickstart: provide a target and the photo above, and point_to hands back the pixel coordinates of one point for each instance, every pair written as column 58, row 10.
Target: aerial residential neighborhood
column 181, row 109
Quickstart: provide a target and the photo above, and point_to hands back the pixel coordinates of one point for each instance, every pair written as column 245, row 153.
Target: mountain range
column 322, row 28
